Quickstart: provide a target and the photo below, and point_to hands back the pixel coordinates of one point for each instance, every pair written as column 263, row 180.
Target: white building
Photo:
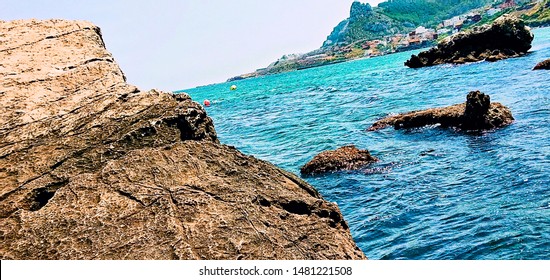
column 420, row 30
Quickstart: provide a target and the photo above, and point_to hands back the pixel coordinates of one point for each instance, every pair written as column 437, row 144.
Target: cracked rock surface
column 94, row 168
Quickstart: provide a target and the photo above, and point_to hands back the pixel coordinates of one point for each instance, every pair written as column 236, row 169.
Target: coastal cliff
column 94, row 168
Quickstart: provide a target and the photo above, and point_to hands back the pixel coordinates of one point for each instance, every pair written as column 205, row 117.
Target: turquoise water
column 436, row 193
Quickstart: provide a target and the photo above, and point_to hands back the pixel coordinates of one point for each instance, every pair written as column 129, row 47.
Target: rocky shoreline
column 94, row 168
column 507, row 37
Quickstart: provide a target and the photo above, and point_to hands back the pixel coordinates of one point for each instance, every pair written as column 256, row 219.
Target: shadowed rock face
column 543, row 65
column 478, row 113
column 344, row 158
column 93, row 168
column 506, row 37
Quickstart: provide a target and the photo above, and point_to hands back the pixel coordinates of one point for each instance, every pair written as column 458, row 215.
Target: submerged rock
column 344, row 158
column 478, row 113
column 94, row 168
column 506, row 37
column 543, row 65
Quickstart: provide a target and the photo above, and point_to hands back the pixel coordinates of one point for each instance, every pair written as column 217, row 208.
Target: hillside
column 536, row 14
column 364, row 23
column 396, row 16
column 427, row 12
column 401, row 25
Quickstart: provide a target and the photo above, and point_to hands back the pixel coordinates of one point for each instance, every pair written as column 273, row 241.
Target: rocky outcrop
column 507, row 37
column 543, row 65
column 93, row 168
column 359, row 9
column 344, row 158
column 478, row 113
column 364, row 23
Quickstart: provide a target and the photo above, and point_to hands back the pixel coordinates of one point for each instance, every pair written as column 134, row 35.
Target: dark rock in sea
column 94, row 168
column 344, row 158
column 543, row 65
column 478, row 113
column 507, row 37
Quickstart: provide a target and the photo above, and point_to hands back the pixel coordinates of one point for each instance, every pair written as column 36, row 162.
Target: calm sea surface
column 436, row 193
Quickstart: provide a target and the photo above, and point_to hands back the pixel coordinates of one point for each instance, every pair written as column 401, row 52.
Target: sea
column 435, row 194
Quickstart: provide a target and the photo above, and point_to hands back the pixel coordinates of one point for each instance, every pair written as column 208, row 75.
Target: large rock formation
column 344, row 158
column 543, row 65
column 363, row 23
column 478, row 113
column 507, row 37
column 93, row 168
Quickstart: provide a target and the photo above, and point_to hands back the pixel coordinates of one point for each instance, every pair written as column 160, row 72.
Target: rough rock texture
column 506, row 37
column 344, row 158
column 543, row 65
column 478, row 113
column 93, row 168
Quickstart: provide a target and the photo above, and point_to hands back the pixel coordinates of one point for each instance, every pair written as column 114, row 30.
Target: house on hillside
column 473, row 18
column 508, row 4
column 451, row 22
column 443, row 31
column 425, row 34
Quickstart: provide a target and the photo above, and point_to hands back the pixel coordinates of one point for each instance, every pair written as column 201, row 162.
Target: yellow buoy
column 233, row 87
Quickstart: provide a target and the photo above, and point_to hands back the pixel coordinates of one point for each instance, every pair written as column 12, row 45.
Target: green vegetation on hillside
column 364, row 23
column 539, row 15
column 396, row 16
column 369, row 31
column 428, row 12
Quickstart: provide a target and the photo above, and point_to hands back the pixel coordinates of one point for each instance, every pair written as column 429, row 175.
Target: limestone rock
column 344, row 158
column 543, row 65
column 478, row 113
column 358, row 10
column 94, row 168
column 507, row 37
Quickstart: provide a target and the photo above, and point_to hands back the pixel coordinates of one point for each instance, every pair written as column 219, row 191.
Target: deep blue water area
column 436, row 193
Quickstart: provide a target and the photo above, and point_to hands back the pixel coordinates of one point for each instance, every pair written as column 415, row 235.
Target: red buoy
column 206, row 102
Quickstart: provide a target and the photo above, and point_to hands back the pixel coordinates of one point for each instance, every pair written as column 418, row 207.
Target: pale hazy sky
column 171, row 45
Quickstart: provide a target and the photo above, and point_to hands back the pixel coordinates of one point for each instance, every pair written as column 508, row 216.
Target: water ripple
column 436, row 193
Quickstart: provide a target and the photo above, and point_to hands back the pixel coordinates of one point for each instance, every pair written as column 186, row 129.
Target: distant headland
column 400, row 25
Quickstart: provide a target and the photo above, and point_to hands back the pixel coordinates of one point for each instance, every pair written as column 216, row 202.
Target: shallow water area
column 436, row 193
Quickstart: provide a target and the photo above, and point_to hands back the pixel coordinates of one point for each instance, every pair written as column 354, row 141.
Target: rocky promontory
column 344, row 158
column 478, row 113
column 543, row 65
column 506, row 37
column 94, row 168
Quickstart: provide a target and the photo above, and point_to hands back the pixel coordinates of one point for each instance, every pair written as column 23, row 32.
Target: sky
column 181, row 44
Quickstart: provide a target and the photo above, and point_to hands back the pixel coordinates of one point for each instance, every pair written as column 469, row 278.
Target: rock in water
column 478, row 113
column 543, row 65
column 344, row 158
column 93, row 168
column 507, row 37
